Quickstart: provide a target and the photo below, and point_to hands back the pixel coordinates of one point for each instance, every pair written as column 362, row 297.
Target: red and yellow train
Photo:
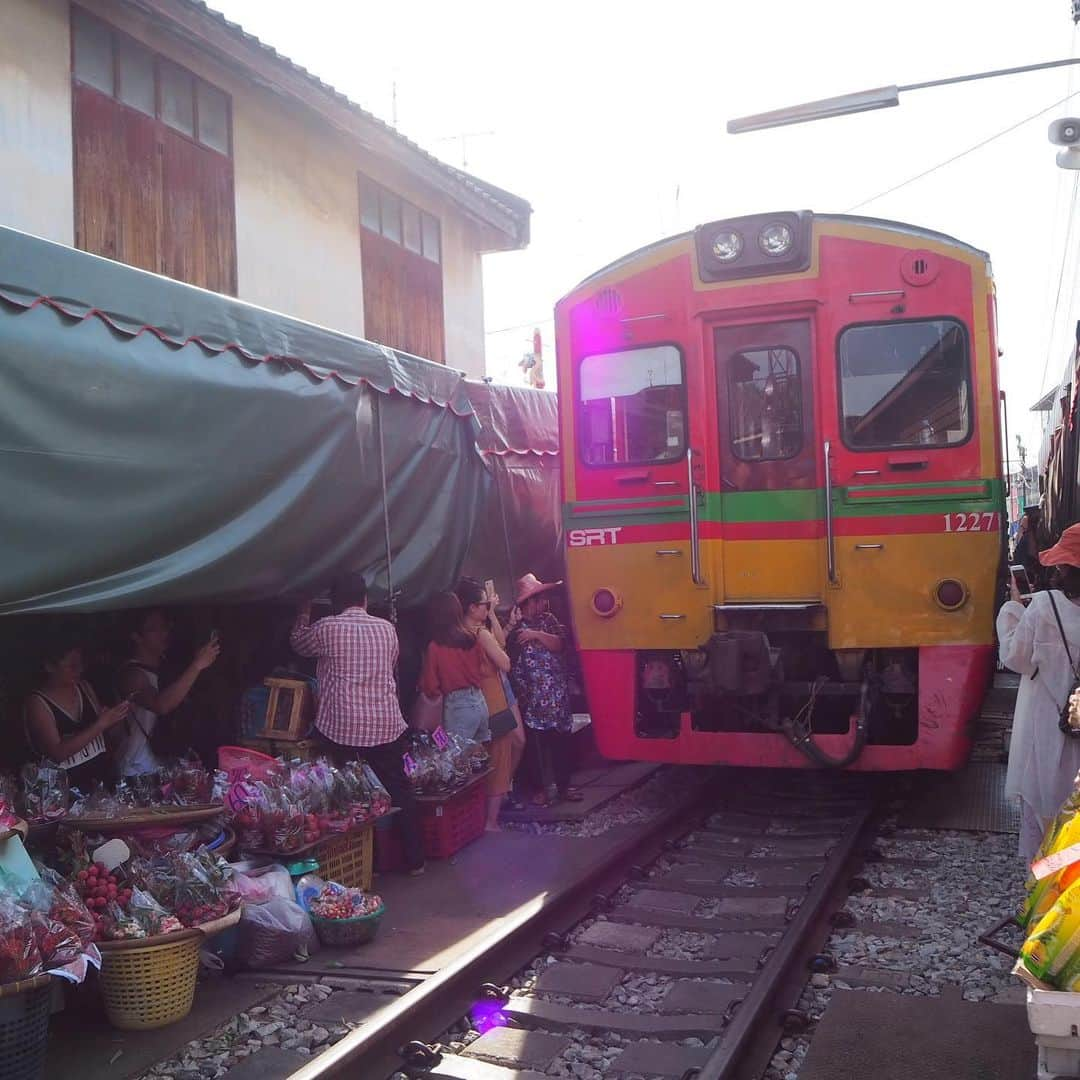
column 783, row 493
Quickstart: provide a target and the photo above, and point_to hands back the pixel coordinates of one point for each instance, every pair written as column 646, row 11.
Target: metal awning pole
column 498, row 489
column 385, row 508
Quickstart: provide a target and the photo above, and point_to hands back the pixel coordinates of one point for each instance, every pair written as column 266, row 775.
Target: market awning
column 164, row 444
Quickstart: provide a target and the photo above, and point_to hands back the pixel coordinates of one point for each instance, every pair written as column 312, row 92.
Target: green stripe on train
column 748, row 507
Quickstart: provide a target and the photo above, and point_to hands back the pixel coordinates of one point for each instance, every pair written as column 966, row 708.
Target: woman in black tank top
column 65, row 723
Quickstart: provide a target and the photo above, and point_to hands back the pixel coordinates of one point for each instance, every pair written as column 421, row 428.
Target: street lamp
column 883, row 97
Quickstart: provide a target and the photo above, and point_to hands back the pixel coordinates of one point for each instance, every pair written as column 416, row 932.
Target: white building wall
column 36, row 183
column 297, row 216
column 463, row 298
column 296, row 181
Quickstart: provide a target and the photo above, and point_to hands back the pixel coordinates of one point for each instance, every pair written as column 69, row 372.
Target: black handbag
column 1064, row 725
column 502, row 722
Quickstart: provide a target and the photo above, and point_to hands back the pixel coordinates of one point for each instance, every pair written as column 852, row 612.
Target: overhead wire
column 963, row 153
column 1066, row 247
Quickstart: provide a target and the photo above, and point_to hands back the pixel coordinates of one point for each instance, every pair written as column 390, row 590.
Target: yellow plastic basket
column 150, row 985
column 347, row 859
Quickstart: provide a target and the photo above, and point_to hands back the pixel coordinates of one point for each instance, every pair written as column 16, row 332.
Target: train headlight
column 727, row 246
column 951, row 594
column 606, row 602
column 775, row 239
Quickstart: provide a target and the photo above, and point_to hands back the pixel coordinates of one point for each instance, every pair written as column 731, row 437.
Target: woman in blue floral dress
column 537, row 644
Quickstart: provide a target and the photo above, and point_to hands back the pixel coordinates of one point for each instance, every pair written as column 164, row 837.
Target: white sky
column 609, row 117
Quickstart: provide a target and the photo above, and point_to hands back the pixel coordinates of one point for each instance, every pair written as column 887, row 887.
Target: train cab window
column 633, row 406
column 905, row 384
column 765, row 402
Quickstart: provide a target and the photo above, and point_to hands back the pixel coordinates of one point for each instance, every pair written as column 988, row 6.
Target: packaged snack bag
column 1050, row 957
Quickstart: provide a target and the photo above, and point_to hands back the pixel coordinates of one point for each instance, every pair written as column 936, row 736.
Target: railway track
column 680, row 956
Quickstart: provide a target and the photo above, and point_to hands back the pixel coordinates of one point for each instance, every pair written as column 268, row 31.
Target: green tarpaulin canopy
column 163, row 444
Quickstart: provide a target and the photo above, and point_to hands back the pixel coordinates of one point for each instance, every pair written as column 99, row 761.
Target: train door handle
column 695, row 540
column 867, row 472
column 668, row 618
column 667, row 553
column 830, row 535
column 869, row 547
column 665, row 483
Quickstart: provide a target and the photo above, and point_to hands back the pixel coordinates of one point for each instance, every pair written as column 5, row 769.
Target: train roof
column 886, row 223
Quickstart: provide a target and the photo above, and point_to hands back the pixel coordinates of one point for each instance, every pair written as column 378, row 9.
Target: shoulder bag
column 1069, row 718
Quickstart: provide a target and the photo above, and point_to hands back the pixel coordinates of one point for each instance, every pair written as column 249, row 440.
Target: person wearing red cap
column 1041, row 643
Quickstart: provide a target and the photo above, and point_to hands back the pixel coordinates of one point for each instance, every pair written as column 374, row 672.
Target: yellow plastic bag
column 1050, row 957
column 1062, row 834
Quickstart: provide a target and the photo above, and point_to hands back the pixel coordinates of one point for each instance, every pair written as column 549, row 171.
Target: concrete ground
column 429, row 920
column 899, row 1037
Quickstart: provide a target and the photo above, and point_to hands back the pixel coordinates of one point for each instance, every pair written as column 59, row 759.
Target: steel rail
column 798, row 943
column 430, row 1008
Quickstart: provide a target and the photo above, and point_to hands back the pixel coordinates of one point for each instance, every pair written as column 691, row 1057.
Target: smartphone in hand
column 1021, row 581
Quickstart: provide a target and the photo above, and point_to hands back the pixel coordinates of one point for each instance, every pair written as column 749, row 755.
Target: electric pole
column 1021, row 453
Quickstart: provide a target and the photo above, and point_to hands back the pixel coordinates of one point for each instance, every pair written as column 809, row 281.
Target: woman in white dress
column 1043, row 762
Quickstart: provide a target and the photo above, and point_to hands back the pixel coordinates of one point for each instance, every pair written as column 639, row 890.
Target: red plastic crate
column 449, row 822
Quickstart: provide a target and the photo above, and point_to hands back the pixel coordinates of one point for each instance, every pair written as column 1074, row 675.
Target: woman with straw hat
column 537, row 645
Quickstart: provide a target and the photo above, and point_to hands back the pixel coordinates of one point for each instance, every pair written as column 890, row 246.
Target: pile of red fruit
column 97, row 887
column 199, row 910
column 337, row 902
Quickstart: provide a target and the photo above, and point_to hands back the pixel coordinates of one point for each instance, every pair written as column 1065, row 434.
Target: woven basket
column 150, row 986
column 24, row 1028
column 347, row 858
column 343, row 933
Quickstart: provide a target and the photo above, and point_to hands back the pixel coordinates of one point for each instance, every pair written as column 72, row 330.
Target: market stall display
column 448, row 774
column 345, row 917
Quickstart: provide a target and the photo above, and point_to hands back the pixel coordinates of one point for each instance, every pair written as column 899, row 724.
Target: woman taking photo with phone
column 1041, row 642
column 138, row 680
column 462, row 664
column 64, row 721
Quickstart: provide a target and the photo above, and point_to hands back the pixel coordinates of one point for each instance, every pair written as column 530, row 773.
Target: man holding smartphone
column 138, row 680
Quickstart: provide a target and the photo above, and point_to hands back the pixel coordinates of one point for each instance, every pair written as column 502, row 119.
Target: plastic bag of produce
column 273, row 933
column 150, row 917
column 283, row 822
column 262, row 883
column 64, row 904
column 20, row 957
column 58, row 944
column 45, row 792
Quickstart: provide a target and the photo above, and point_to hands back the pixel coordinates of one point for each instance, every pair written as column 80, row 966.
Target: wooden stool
column 287, row 709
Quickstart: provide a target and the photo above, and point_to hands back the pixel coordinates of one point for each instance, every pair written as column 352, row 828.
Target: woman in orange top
column 461, row 661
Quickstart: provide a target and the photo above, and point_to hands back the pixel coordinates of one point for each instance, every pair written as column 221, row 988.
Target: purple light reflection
column 487, row 1014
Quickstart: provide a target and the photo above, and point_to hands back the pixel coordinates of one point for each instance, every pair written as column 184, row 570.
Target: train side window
column 905, row 384
column 633, row 406
column 765, row 402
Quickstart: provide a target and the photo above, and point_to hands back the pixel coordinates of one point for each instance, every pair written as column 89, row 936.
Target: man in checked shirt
column 358, row 711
